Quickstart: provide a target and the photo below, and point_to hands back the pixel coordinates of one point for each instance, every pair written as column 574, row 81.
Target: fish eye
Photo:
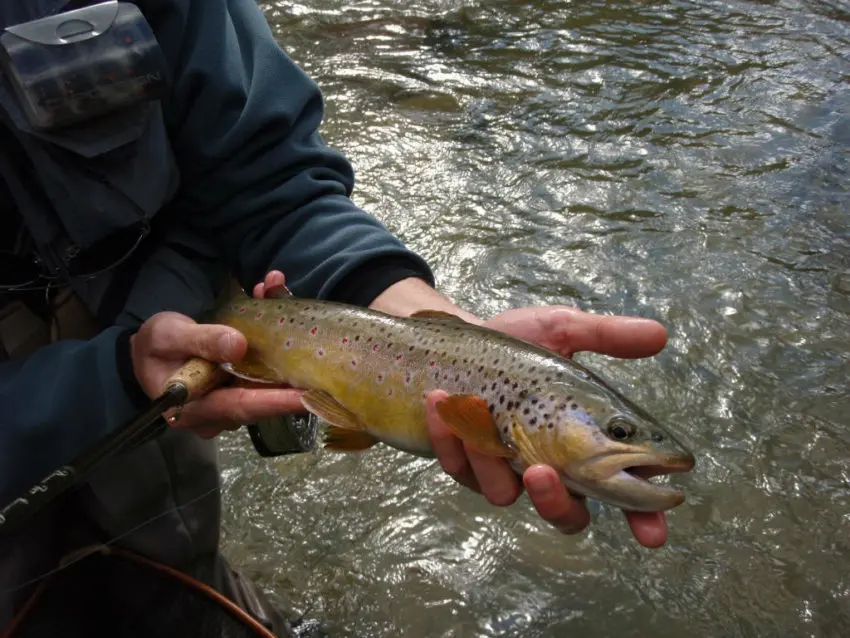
column 657, row 437
column 621, row 430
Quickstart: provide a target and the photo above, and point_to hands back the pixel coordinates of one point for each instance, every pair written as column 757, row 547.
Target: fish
column 367, row 373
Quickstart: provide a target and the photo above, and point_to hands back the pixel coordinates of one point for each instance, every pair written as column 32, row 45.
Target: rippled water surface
column 686, row 161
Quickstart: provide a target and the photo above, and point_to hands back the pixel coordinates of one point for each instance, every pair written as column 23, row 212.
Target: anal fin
column 344, row 440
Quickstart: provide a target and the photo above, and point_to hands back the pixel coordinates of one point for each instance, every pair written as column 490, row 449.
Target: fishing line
column 93, row 549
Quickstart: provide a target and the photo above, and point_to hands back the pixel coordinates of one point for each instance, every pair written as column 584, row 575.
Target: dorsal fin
column 435, row 314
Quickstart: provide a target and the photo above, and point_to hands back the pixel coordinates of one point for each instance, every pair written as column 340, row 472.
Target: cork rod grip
column 198, row 376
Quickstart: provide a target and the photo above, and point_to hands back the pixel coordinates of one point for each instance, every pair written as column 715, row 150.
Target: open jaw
column 625, row 481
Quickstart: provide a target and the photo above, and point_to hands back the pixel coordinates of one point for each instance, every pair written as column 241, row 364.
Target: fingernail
column 225, row 344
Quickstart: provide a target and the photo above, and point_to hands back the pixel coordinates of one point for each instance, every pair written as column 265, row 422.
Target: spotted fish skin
column 507, row 397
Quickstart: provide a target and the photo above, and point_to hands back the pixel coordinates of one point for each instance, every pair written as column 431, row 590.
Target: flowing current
column 685, row 161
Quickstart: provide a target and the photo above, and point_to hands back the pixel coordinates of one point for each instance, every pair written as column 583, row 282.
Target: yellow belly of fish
column 389, row 409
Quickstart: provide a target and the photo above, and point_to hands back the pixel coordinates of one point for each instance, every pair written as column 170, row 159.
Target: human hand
column 564, row 330
column 167, row 340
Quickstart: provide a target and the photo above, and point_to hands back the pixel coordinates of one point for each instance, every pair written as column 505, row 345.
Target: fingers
column 553, row 502
column 625, row 337
column 649, row 528
column 237, row 406
column 448, row 448
column 174, row 336
column 274, row 279
column 498, row 482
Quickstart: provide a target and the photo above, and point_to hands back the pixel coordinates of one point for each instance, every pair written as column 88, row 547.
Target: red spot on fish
column 369, row 340
column 314, row 331
column 288, row 343
column 321, row 353
column 390, row 392
column 353, row 363
column 398, row 358
column 259, row 315
column 345, row 339
column 432, row 363
column 445, row 376
column 376, row 347
column 283, row 320
column 380, row 377
column 242, row 310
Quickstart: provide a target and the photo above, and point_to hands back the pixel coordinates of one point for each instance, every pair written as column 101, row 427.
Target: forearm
column 411, row 295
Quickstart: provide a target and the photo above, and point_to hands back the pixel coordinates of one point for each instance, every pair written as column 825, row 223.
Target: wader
column 161, row 499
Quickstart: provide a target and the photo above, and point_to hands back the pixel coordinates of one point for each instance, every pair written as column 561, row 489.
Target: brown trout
column 367, row 373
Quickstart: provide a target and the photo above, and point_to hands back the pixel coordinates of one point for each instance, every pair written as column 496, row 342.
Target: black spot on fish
column 491, row 407
column 548, row 379
column 427, row 352
column 570, row 398
column 534, row 401
column 523, row 394
column 457, row 377
column 496, row 362
column 505, row 429
column 480, row 368
column 533, row 420
column 516, row 385
column 501, row 372
column 442, row 339
column 484, row 388
column 412, row 348
column 493, row 387
column 547, row 415
column 526, row 411
column 501, row 399
column 550, row 425
column 574, row 406
column 389, row 345
column 510, row 405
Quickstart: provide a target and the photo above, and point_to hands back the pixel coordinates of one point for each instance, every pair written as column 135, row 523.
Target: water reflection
column 679, row 160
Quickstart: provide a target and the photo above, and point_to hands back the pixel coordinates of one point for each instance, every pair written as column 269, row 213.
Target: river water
column 685, row 161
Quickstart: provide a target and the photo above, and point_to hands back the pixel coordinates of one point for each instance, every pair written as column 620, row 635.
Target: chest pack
column 86, row 155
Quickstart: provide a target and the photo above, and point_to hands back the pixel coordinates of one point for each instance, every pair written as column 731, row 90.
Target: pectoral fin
column 251, row 369
column 324, row 406
column 469, row 418
column 343, row 440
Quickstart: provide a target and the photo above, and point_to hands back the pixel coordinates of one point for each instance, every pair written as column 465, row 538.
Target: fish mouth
column 628, row 481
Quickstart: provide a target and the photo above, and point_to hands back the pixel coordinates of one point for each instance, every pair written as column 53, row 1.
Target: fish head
column 604, row 446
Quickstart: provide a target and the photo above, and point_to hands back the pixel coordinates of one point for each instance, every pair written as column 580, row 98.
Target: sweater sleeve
column 255, row 172
column 60, row 400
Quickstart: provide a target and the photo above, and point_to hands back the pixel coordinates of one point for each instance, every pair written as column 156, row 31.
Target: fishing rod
column 194, row 379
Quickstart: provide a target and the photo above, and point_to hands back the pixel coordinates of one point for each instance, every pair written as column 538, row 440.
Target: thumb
column 175, row 336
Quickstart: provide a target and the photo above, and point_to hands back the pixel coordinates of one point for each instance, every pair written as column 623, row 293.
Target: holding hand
column 167, row 340
column 566, row 331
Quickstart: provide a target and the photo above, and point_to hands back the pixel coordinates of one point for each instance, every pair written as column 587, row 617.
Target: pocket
column 103, row 175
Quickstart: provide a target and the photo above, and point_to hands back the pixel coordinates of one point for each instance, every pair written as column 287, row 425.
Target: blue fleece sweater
column 256, row 175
